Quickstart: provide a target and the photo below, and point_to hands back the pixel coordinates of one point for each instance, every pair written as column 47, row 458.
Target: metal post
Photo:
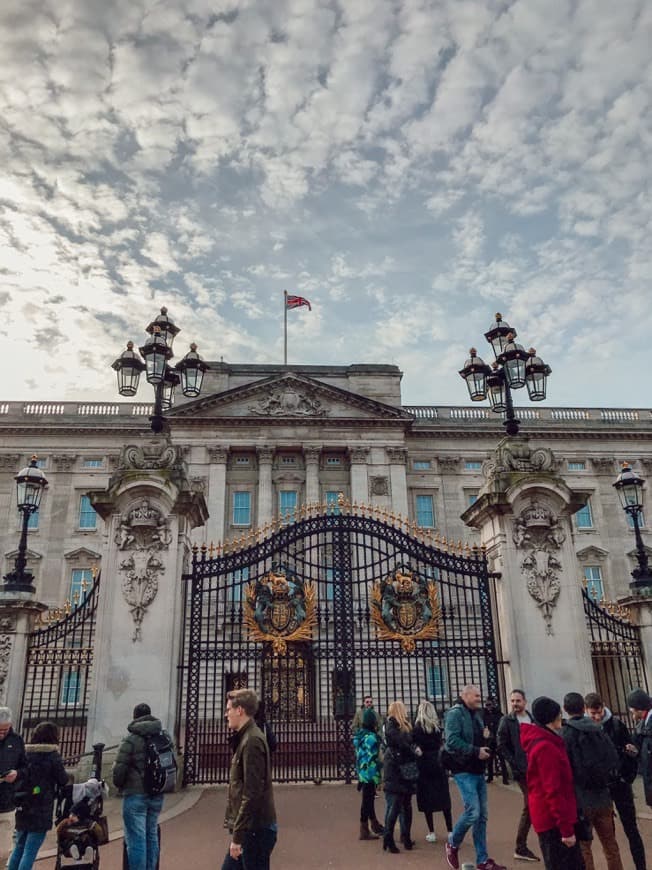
column 511, row 423
column 641, row 575
column 157, row 419
column 19, row 579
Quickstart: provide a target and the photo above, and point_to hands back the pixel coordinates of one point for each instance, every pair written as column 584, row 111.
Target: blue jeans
column 256, row 851
column 473, row 791
column 398, row 806
column 140, row 814
column 26, row 849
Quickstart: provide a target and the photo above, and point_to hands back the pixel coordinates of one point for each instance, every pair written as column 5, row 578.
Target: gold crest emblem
column 280, row 609
column 405, row 607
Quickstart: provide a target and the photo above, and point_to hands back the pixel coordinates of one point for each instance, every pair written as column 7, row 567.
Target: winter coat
column 400, row 750
column 250, row 801
column 618, row 733
column 38, row 781
column 509, row 745
column 129, row 767
column 433, row 795
column 463, row 729
column 12, row 757
column 587, row 798
column 551, row 794
column 644, row 743
column 367, row 755
column 356, row 725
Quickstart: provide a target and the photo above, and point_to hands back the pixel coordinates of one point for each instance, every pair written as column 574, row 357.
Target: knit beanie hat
column 369, row 720
column 545, row 710
column 639, row 700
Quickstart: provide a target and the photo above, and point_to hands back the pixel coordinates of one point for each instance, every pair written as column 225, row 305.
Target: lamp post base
column 642, row 580
column 22, row 582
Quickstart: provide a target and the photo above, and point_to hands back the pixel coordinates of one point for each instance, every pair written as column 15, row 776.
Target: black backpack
column 160, row 774
column 27, row 791
column 594, row 759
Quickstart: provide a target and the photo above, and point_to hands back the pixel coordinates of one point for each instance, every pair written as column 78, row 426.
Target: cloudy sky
column 410, row 166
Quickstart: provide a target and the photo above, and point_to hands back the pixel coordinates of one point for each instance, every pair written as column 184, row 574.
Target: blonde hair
column 427, row 717
column 397, row 711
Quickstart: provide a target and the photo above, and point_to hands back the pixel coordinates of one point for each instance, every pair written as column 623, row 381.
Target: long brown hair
column 397, row 711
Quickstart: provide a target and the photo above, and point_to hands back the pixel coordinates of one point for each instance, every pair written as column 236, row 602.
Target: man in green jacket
column 140, row 811
column 250, row 814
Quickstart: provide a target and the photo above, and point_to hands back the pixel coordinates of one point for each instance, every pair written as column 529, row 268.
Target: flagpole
column 285, row 327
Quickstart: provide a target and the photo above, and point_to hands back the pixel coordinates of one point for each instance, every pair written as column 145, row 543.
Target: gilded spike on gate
column 460, row 548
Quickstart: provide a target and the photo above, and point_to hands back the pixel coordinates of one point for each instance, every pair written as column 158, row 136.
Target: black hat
column 639, row 700
column 545, row 710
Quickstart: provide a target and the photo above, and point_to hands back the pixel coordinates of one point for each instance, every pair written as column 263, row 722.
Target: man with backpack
column 144, row 770
column 594, row 762
column 621, row 790
column 640, row 706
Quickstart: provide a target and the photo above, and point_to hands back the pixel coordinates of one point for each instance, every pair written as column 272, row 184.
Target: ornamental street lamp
column 153, row 358
column 30, row 485
column 629, row 487
column 513, row 369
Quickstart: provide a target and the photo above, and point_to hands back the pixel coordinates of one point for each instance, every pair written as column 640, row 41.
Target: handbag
column 408, row 771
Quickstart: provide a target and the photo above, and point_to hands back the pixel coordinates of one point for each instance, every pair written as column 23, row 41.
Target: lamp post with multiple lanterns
column 30, row 485
column 153, row 358
column 629, row 487
column 513, row 368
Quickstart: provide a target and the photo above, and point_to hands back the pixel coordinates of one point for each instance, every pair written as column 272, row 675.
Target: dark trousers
column 496, row 765
column 399, row 806
column 367, row 810
column 556, row 856
column 256, row 850
column 524, row 822
column 448, row 818
column 623, row 798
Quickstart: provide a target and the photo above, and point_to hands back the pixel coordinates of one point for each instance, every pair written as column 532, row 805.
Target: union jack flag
column 297, row 302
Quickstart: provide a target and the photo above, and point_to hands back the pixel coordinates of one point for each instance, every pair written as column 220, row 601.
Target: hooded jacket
column 618, row 733
column 12, row 757
column 129, row 767
column 551, row 795
column 588, row 798
column 36, row 787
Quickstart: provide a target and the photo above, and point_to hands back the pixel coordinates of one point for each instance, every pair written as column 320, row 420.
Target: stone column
column 397, row 457
column 18, row 613
column 640, row 609
column 149, row 510
column 265, row 507
column 311, row 455
column 218, row 457
column 523, row 513
column 359, row 457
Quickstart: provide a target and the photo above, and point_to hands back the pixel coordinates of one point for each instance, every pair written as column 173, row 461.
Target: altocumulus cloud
column 409, row 165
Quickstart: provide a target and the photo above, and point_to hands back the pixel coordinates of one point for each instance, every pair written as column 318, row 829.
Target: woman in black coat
column 433, row 795
column 398, row 790
column 35, row 793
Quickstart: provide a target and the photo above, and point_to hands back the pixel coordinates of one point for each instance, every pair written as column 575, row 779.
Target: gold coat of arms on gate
column 405, row 607
column 280, row 609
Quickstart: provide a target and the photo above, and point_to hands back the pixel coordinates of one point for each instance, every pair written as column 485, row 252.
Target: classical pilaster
column 265, row 507
column 311, row 456
column 18, row 613
column 359, row 457
column 397, row 457
column 218, row 456
column 524, row 513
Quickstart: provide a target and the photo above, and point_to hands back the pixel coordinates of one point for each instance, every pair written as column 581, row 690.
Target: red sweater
column 551, row 796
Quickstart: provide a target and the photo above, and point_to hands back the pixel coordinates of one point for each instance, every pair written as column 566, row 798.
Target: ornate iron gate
column 58, row 675
column 328, row 608
column 616, row 652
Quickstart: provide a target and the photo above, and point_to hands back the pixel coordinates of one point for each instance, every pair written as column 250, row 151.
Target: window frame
column 284, row 514
column 234, row 507
column 591, row 523
column 580, row 463
column 592, row 580
column 433, row 510
column 89, row 512
column 421, row 465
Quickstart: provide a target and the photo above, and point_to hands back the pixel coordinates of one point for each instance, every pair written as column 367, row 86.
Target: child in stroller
column 81, row 826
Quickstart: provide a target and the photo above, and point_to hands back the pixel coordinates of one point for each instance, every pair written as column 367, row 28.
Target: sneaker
column 74, row 852
column 490, row 864
column 524, row 854
column 89, row 854
column 452, row 857
column 431, row 837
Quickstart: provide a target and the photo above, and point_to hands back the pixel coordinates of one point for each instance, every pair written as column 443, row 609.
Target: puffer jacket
column 12, row 757
column 129, row 767
column 367, row 755
column 38, row 782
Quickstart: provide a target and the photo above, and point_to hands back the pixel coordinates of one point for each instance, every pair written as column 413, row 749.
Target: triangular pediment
column 290, row 397
column 592, row 552
column 81, row 553
column 30, row 555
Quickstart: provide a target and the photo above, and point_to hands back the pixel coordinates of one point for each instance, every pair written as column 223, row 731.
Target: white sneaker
column 89, row 854
column 74, row 852
column 431, row 838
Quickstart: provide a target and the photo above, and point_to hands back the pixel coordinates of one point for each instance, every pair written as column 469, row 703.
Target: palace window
column 288, row 460
column 287, row 502
column 237, row 580
column 594, row 585
column 641, row 519
column 471, row 498
column 584, row 517
column 242, row 460
column 425, row 511
column 332, row 501
column 87, row 515
column 242, row 508
column 32, row 521
column 333, row 460
column 472, row 465
column 81, row 581
column 578, row 465
column 92, row 463
column 70, row 688
column 421, row 464
column 41, row 463
column 437, row 681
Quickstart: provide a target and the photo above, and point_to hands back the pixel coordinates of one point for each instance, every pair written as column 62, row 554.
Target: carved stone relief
column 218, row 454
column 143, row 533
column 448, row 464
column 265, row 454
column 9, row 460
column 515, row 454
column 603, row 464
column 378, row 486
column 359, row 455
column 8, row 624
column 311, row 455
column 288, row 402
column 397, row 455
column 64, row 461
column 540, row 535
column 6, row 644
column 158, row 453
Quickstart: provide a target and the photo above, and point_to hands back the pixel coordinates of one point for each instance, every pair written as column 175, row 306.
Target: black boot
column 389, row 845
column 376, row 827
column 407, row 842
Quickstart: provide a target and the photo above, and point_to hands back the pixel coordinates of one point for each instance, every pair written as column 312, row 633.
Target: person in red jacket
column 551, row 795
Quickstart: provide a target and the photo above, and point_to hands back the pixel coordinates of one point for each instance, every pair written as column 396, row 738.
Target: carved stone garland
column 143, row 533
column 6, row 643
column 539, row 534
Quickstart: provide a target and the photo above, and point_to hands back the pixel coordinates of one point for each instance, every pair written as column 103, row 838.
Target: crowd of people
column 574, row 768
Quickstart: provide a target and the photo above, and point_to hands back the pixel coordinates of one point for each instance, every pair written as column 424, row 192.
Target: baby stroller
column 80, row 821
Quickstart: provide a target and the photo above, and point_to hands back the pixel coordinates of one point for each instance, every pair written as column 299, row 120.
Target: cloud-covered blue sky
column 410, row 166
